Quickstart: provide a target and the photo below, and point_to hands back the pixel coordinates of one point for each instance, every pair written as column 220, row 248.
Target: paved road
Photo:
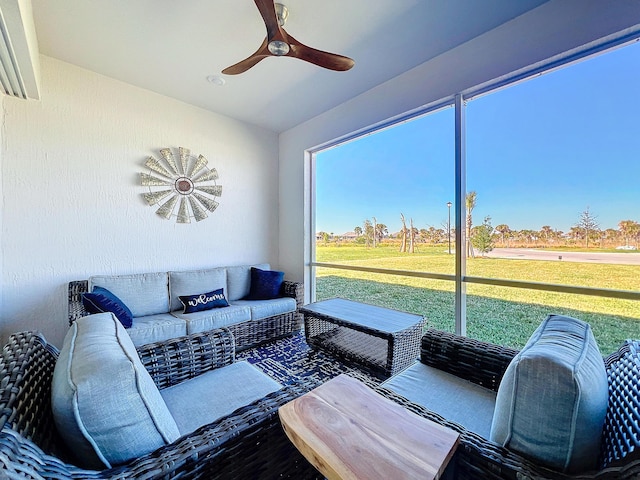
column 588, row 257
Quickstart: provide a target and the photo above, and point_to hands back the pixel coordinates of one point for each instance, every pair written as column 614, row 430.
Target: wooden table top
column 348, row 431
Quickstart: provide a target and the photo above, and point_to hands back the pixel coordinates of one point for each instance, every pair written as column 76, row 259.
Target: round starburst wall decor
column 182, row 185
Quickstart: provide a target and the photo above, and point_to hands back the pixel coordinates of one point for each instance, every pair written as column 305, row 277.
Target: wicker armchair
column 248, row 443
column 484, row 363
column 247, row 334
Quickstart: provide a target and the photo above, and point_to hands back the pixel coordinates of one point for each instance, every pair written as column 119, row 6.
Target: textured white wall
column 71, row 206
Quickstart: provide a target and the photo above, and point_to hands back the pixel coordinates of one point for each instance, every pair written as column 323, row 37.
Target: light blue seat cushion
column 215, row 318
column 268, row 308
column 206, row 398
column 195, row 282
column 458, row 400
column 144, row 293
column 156, row 328
column 553, row 397
column 105, row 404
column 239, row 280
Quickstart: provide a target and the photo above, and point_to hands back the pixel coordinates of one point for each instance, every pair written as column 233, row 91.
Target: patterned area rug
column 292, row 359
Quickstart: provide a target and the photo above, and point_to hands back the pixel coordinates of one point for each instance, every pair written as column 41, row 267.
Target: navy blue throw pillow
column 204, row 301
column 265, row 284
column 101, row 300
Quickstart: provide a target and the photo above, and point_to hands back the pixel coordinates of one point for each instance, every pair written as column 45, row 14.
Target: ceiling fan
column 279, row 43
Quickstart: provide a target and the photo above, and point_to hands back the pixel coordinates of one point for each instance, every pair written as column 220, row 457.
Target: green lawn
column 501, row 315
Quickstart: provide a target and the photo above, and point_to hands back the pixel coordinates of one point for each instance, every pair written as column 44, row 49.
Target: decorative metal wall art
column 183, row 186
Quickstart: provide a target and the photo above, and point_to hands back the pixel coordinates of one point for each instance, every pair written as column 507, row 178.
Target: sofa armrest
column 248, row 443
column 479, row 458
column 172, row 361
column 294, row 290
column 76, row 308
column 480, row 362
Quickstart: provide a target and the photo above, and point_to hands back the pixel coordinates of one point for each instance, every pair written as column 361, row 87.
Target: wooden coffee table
column 383, row 340
column 348, row 431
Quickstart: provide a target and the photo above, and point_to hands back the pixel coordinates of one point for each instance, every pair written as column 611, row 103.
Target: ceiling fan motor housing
column 278, row 47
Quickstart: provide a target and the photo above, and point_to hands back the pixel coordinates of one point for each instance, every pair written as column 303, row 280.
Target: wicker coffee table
column 384, row 340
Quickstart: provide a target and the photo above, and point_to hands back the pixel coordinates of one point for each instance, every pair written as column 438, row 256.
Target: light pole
column 449, row 226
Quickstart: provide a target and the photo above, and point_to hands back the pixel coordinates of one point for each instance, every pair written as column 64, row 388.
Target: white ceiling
column 171, row 46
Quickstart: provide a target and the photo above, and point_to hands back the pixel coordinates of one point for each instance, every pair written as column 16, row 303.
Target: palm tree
column 610, row 235
column 546, row 232
column 470, row 203
column 629, row 229
column 503, row 230
column 576, row 233
column 381, row 231
column 528, row 236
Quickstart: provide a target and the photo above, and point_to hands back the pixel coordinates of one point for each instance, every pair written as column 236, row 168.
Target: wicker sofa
column 154, row 301
column 248, row 443
column 484, row 364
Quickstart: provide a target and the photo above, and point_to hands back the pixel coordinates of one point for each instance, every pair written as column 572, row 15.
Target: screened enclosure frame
column 458, row 102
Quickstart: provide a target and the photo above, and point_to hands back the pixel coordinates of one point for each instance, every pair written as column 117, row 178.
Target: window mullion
column 460, row 209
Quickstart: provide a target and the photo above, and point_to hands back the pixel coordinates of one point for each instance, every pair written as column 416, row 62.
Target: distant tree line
column 483, row 238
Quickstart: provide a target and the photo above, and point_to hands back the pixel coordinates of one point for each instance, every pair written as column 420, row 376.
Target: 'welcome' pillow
column 204, row 301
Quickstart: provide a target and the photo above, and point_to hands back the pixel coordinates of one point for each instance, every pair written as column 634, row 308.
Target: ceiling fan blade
column 244, row 65
column 268, row 12
column 332, row 61
column 279, row 43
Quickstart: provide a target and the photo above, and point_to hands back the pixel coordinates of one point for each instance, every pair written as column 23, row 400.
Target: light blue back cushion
column 239, row 280
column 144, row 293
column 195, row 282
column 105, row 404
column 553, row 397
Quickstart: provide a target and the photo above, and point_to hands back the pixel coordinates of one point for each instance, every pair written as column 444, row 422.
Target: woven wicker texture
column 177, row 360
column 622, row 423
column 384, row 352
column 247, row 334
column 480, row 362
column 249, row 443
column 484, row 363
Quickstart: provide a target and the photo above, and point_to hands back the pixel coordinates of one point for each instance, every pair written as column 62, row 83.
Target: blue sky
column 538, row 153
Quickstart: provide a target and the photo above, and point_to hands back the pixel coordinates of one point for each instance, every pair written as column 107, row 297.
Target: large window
column 549, row 221
column 371, row 193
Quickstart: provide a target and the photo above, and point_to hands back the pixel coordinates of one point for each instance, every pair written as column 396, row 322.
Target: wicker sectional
column 484, row 364
column 249, row 443
column 252, row 328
